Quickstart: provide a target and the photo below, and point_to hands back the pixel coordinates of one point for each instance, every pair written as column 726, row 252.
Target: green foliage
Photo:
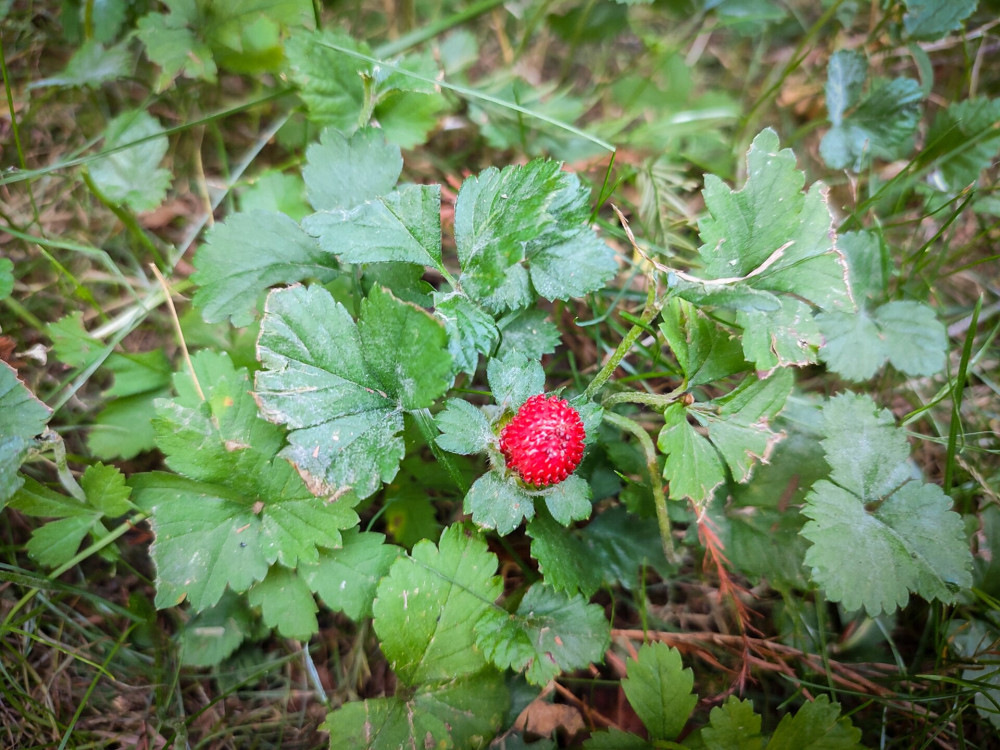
column 131, row 174
column 22, row 418
column 933, row 19
column 878, row 532
column 879, row 124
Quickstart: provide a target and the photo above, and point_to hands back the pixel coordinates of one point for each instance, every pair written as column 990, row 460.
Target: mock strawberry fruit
column 543, row 443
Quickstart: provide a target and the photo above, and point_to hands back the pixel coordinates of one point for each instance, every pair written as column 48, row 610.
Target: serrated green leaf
column 58, row 541
column 559, row 552
column 344, row 432
column 346, row 578
column 213, row 634
column 816, row 726
column 933, row 19
column 343, row 172
column 705, row 351
column 787, row 337
column 528, row 332
column 175, row 47
column 570, row 500
column 660, row 690
column 406, row 349
column 693, row 467
column 71, row 343
column 550, row 633
column 963, row 140
column 426, row 607
column 514, row 379
column 132, row 175
column 91, row 65
column 464, row 428
column 248, row 253
column 22, row 417
column 407, row 117
column 464, row 713
column 881, row 126
column 852, row 345
column 733, row 726
column 104, row 487
column 471, row 330
column 286, row 603
column 401, row 226
column 574, row 267
column 328, row 80
column 878, row 535
column 915, row 340
column 498, row 503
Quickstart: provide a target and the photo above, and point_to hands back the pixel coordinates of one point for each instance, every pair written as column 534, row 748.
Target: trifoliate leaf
column 933, row 19
column 559, row 552
column 345, row 578
column 705, row 351
column 498, row 503
column 771, row 238
column 343, row 172
column 570, row 500
column 286, row 603
column 879, row 124
column 344, row 411
column 816, row 726
column 907, row 334
column 464, row 428
column 22, row 417
column 660, row 690
column 426, row 607
column 550, row 633
column 962, row 141
column 459, row 713
column 514, row 379
column 132, row 175
column 246, row 254
column 402, row 226
column 530, row 213
column 471, row 330
column 733, row 726
column 878, row 534
column 91, row 65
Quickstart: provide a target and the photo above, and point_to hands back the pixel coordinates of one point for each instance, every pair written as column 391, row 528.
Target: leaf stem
column 652, row 309
column 655, row 483
column 957, row 392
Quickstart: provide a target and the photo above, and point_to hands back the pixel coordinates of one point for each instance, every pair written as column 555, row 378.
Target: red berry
column 543, row 443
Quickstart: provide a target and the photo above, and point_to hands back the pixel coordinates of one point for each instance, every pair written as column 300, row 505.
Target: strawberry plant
column 463, row 437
